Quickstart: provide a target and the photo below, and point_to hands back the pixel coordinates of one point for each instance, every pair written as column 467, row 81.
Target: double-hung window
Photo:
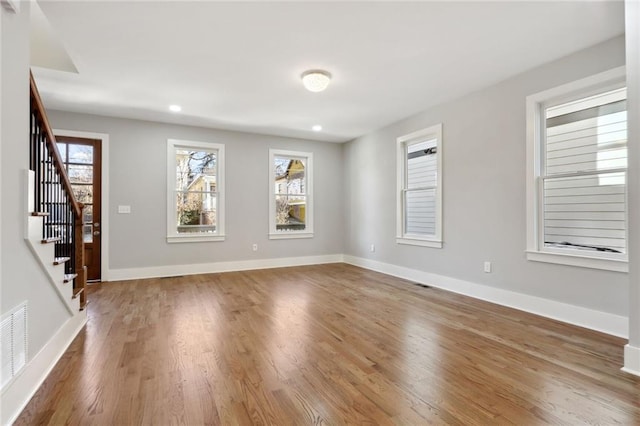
column 419, row 188
column 195, row 191
column 290, row 194
column 577, row 154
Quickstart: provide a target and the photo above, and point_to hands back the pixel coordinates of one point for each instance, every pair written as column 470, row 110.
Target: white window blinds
column 584, row 174
column 420, row 193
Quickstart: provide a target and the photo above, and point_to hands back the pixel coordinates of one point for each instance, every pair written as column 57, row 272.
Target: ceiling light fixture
column 316, row 128
column 175, row 108
column 316, row 80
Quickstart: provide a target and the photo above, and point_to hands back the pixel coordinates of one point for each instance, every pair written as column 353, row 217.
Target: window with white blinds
column 419, row 188
column 580, row 195
column 585, row 174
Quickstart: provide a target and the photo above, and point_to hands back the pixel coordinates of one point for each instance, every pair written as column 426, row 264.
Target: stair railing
column 54, row 198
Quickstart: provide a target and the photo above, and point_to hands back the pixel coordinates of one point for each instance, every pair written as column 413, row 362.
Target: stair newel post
column 81, row 280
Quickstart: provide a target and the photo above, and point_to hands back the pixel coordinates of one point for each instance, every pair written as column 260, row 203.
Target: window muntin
column 419, row 188
column 584, row 175
column 576, row 173
column 290, row 205
column 196, row 191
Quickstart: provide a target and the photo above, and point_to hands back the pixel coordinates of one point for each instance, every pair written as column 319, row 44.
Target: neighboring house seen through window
column 290, row 194
column 419, row 198
column 195, row 191
column 578, row 138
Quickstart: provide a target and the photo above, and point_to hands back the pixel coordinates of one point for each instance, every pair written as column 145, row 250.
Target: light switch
column 124, row 209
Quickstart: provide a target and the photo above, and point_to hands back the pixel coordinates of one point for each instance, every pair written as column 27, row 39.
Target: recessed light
column 316, row 128
column 175, row 108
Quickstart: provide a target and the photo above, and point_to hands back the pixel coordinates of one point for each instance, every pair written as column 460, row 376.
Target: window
column 195, row 200
column 577, row 137
column 290, row 194
column 419, row 195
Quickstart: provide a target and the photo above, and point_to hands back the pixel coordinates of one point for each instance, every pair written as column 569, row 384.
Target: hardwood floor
column 327, row 344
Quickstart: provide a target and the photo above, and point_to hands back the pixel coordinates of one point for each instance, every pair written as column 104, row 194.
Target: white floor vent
column 14, row 342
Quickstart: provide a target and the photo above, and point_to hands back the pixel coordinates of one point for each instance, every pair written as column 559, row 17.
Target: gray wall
column 22, row 276
column 137, row 177
column 484, row 191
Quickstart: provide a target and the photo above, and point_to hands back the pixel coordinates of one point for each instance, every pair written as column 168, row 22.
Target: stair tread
column 39, row 214
column 69, row 277
column 61, row 260
column 50, row 240
column 77, row 291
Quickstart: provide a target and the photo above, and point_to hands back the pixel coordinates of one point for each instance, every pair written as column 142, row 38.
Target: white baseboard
column 631, row 360
column 20, row 391
column 208, row 268
column 615, row 325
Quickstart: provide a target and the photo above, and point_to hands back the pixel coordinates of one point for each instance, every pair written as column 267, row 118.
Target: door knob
column 96, row 232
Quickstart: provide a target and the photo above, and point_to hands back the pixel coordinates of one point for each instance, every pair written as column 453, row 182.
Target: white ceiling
column 237, row 65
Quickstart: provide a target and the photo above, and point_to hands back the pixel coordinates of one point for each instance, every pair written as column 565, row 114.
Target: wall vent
column 13, row 343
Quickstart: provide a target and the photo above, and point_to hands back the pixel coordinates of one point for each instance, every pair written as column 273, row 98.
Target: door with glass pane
column 82, row 160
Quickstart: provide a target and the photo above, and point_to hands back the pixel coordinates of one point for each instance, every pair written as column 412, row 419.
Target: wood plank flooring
column 326, row 345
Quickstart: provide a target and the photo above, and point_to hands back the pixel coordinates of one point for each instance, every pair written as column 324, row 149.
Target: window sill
column 194, row 238
column 290, row 235
column 617, row 265
column 419, row 242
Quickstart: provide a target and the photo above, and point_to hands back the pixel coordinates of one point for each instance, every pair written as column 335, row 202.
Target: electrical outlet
column 372, row 248
column 487, row 267
column 254, row 247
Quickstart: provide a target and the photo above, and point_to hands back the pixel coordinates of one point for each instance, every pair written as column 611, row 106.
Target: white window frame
column 173, row 236
column 433, row 132
column 535, row 106
column 274, row 234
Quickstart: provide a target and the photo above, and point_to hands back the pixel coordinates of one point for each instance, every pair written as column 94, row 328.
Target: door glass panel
column 80, row 174
column 62, row 149
column 87, row 213
column 80, row 154
column 83, row 193
column 87, row 233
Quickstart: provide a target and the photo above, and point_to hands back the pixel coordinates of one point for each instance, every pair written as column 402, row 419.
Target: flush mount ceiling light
column 316, row 80
column 316, row 128
column 175, row 108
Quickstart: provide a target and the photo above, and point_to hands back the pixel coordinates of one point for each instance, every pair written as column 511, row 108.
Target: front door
column 82, row 160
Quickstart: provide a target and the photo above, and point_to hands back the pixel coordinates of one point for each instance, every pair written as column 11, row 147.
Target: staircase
column 54, row 225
